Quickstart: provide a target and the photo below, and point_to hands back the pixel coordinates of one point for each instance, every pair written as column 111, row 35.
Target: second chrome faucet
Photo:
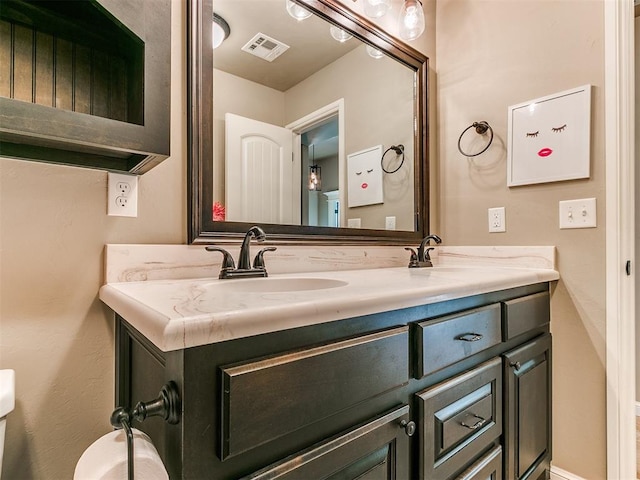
column 245, row 269
column 421, row 258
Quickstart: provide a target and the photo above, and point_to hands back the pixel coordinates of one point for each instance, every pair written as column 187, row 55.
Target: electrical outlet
column 123, row 187
column 390, row 223
column 353, row 222
column 497, row 222
column 122, row 195
column 577, row 213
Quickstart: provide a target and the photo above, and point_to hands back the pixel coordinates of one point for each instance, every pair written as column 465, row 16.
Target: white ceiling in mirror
column 311, row 44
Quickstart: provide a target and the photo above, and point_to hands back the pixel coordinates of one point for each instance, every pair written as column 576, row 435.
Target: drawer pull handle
column 476, row 425
column 409, row 427
column 469, row 337
column 515, row 365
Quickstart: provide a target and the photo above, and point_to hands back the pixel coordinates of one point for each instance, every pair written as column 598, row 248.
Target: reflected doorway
column 320, row 156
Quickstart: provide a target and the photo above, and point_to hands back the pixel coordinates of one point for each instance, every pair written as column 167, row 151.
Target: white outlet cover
column 390, row 223
column 579, row 213
column 497, row 220
column 122, row 195
column 353, row 222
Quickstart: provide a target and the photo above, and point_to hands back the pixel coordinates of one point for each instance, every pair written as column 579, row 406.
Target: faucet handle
column 413, row 259
column 227, row 259
column 427, row 257
column 258, row 262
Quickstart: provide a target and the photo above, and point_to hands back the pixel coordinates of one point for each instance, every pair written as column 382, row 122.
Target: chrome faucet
column 421, row 258
column 244, row 269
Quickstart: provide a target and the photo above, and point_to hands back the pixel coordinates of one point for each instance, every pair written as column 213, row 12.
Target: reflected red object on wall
column 218, row 212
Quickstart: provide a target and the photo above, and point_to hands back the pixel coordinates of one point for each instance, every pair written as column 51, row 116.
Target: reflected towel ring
column 399, row 149
column 481, row 129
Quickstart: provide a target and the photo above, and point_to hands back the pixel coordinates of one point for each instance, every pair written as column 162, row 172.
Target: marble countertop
column 183, row 313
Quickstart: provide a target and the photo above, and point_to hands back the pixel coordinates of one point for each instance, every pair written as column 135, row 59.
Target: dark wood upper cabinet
column 86, row 83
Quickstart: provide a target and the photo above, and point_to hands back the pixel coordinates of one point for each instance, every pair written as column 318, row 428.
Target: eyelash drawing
column 369, row 171
column 533, row 134
column 358, row 173
column 559, row 129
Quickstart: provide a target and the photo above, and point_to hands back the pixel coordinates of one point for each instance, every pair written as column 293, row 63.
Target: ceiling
column 311, row 45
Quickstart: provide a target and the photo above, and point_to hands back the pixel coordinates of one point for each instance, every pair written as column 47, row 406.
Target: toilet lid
column 7, row 392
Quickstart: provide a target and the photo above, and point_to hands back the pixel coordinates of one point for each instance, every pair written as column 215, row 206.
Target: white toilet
column 7, row 403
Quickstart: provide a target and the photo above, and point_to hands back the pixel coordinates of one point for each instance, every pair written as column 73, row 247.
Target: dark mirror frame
column 202, row 229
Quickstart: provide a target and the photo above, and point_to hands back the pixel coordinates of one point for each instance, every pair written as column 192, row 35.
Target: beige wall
column 496, row 53
column 54, row 331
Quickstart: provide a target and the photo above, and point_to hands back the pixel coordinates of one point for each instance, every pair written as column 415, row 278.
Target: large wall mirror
column 314, row 129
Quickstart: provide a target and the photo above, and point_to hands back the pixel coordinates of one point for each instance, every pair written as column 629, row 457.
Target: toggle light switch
column 578, row 213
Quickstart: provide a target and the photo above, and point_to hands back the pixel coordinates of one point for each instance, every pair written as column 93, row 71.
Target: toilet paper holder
column 166, row 405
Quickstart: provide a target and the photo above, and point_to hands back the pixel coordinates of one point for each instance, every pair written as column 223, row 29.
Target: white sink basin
column 274, row 285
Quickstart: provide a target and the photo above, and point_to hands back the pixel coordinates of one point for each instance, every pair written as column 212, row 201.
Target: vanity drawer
column 271, row 397
column 459, row 419
column 449, row 339
column 488, row 467
column 523, row 314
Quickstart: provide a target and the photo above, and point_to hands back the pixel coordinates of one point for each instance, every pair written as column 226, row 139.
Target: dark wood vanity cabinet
column 453, row 390
column 86, row 82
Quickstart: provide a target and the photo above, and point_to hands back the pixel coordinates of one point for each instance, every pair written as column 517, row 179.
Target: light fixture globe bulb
column 339, row 34
column 376, row 8
column 411, row 20
column 374, row 52
column 296, row 11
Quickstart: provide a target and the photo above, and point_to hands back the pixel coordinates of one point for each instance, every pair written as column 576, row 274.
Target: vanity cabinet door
column 377, row 450
column 527, row 402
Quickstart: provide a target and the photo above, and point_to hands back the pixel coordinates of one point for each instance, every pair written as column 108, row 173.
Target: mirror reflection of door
column 260, row 183
column 320, row 148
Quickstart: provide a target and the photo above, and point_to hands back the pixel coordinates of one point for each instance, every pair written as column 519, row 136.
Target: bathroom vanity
column 389, row 373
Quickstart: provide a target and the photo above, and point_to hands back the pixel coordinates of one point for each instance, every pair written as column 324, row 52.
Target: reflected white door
column 260, row 185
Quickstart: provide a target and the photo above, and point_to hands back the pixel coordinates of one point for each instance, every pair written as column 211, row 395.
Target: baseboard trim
column 560, row 474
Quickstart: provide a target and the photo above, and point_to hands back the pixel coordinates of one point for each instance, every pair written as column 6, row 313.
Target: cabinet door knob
column 515, row 365
column 409, row 427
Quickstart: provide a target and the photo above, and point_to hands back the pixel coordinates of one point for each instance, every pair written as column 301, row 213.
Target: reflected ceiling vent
column 265, row 47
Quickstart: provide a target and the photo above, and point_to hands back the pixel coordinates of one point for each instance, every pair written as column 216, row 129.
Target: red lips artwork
column 545, row 152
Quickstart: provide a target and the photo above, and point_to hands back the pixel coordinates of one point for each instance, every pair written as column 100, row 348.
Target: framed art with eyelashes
column 549, row 138
column 364, row 177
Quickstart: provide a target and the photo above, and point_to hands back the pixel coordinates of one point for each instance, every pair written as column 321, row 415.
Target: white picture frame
column 549, row 138
column 364, row 177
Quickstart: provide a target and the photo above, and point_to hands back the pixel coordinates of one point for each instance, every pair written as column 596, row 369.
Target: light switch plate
column 579, row 213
